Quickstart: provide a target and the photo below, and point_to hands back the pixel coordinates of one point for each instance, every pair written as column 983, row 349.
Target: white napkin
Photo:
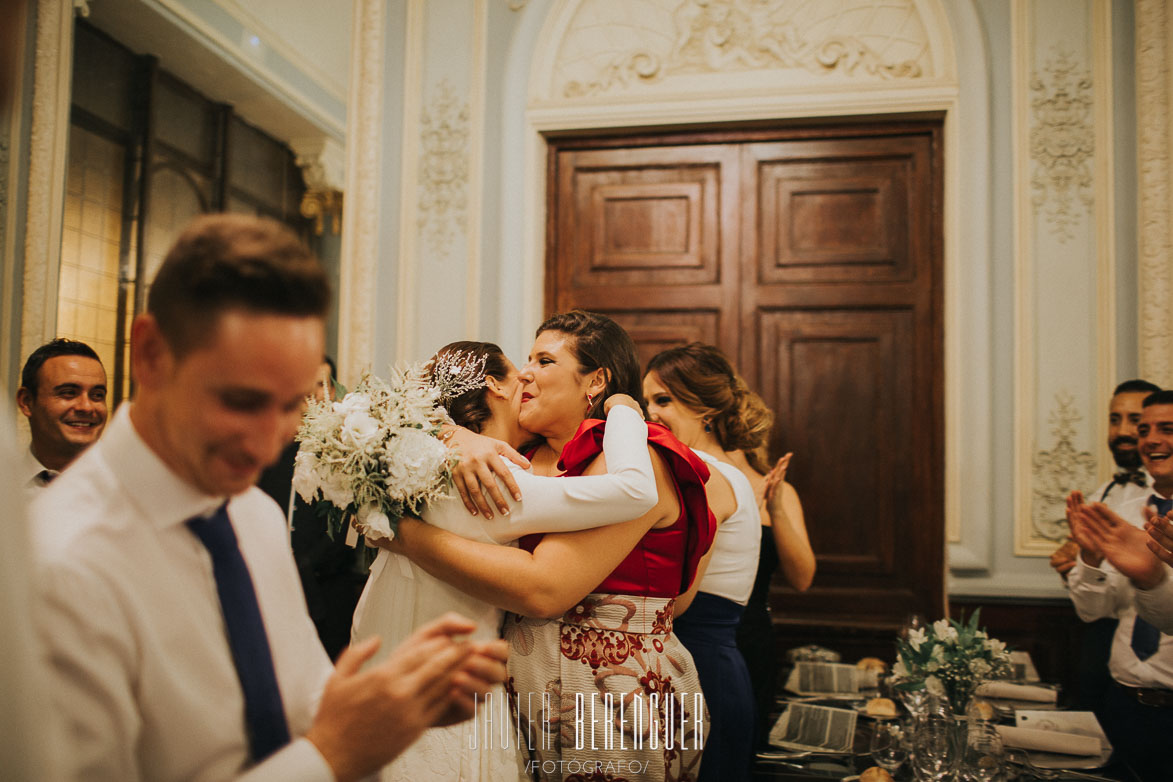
column 1049, row 741
column 1017, row 692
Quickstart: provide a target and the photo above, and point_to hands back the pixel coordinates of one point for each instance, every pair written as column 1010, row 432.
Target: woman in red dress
column 601, row 688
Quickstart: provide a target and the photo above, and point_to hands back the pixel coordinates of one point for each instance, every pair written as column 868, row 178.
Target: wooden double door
column 812, row 257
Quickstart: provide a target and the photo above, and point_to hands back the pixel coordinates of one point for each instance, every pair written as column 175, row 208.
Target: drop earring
column 708, row 426
column 590, row 401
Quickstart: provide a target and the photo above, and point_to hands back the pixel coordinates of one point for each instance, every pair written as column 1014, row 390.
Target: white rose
column 996, row 646
column 943, row 630
column 359, row 428
column 413, row 462
column 979, row 667
column 374, row 523
column 336, row 488
column 353, row 403
column 306, row 480
column 934, row 686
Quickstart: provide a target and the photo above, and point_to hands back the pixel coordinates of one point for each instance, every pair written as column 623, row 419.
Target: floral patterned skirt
column 607, row 692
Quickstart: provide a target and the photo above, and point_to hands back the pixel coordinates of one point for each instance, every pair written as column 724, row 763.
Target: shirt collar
column 31, row 469
column 162, row 496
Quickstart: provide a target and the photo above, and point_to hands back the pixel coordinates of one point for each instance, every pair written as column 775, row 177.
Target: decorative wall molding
column 1155, row 241
column 360, row 224
column 320, row 205
column 780, row 41
column 1062, row 142
column 1059, row 471
column 322, row 161
column 444, row 166
column 1063, row 237
column 52, row 74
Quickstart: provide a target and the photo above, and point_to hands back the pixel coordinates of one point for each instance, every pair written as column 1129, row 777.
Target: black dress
column 755, row 638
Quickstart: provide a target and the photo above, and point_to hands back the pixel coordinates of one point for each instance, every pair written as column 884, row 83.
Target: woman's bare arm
column 795, row 555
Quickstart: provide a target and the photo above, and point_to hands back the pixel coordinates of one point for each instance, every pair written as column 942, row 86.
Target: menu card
column 805, row 726
column 825, row 679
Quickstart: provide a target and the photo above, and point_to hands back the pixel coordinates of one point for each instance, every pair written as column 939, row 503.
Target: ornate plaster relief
column 1062, row 142
column 444, row 166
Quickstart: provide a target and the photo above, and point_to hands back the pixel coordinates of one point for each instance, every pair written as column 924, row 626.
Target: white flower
column 916, row 637
column 353, row 402
column 899, row 670
column 359, row 428
column 944, row 631
column 414, row 462
column 996, row 646
column 374, row 523
column 979, row 667
column 306, row 480
column 337, row 489
column 934, row 686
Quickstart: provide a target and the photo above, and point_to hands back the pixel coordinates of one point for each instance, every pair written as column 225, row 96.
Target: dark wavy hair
column 702, row 379
column 600, row 343
column 471, row 409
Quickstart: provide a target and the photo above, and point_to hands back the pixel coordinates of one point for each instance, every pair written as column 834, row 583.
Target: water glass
column 983, row 759
column 888, row 748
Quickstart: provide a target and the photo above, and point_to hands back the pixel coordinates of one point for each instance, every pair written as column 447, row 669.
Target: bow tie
column 1128, row 476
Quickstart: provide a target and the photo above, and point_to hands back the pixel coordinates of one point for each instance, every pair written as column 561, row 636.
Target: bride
column 399, row 596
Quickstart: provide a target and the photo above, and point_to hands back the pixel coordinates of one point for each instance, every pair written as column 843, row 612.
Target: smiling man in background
column 63, row 394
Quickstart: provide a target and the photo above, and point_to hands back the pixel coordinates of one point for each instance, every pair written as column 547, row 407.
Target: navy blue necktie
column 263, row 711
column 1145, row 637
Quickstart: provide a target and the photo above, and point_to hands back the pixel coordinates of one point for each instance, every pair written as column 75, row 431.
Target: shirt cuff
column 300, row 761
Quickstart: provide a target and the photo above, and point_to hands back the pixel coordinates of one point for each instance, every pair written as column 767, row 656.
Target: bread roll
column 872, row 664
column 875, row 774
column 881, row 707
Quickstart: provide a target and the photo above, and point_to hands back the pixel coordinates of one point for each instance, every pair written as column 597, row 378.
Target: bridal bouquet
column 376, row 454
column 950, row 658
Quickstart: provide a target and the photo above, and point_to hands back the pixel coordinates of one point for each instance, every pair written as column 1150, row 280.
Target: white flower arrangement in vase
column 950, row 659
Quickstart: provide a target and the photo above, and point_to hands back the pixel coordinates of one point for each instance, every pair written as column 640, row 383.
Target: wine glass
column 983, row 758
column 887, row 747
column 935, row 752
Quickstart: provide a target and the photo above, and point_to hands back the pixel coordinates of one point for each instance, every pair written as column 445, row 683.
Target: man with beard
column 1130, row 482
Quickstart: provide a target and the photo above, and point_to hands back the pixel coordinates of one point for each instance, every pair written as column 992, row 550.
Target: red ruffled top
column 664, row 562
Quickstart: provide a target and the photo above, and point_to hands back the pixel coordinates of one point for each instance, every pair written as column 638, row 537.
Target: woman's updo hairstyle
column 600, row 343
column 470, row 409
column 702, row 379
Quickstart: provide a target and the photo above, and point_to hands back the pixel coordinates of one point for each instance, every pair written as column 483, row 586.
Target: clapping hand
column 1095, row 527
column 775, row 478
column 1160, row 531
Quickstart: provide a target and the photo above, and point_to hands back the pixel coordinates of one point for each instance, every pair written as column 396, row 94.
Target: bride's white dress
column 399, row 596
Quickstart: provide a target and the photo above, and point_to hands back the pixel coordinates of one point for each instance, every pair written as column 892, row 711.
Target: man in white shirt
column 1129, row 482
column 63, row 394
column 1138, row 714
column 171, row 611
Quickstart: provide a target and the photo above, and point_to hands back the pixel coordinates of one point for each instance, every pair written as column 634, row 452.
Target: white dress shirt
column 130, row 618
column 1098, row 592
column 733, row 565
column 1155, row 605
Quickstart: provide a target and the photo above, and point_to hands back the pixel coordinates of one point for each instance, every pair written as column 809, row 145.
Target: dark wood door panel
column 647, row 217
column 839, row 385
column 848, row 212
